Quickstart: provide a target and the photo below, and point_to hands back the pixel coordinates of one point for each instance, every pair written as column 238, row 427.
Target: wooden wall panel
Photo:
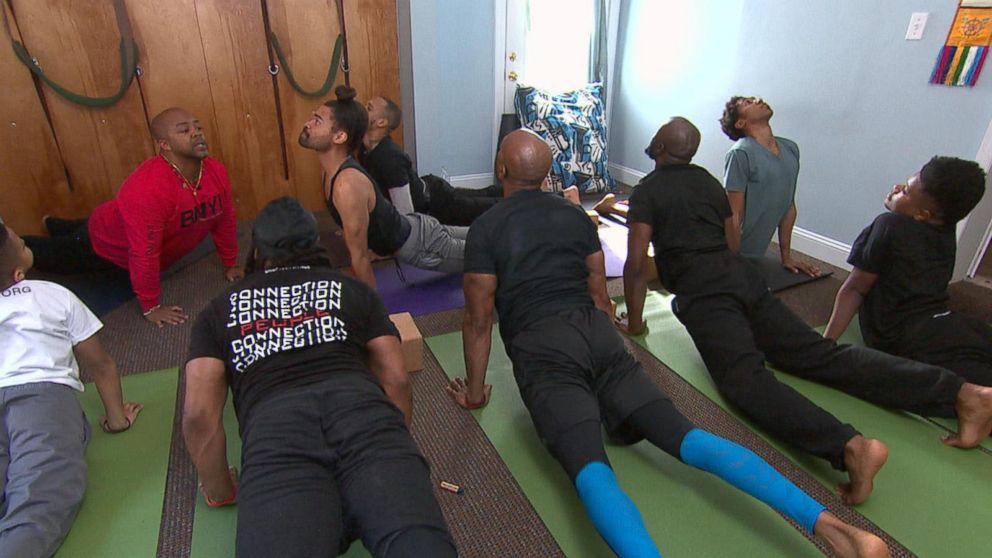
column 172, row 62
column 32, row 180
column 373, row 57
column 77, row 45
column 175, row 69
column 306, row 30
column 233, row 38
column 208, row 56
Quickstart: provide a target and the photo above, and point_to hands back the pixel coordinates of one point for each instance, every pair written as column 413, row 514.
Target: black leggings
column 659, row 422
column 960, row 343
column 324, row 465
column 738, row 331
column 459, row 206
column 68, row 251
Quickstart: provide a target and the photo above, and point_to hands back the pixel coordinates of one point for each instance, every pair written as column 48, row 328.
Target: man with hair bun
column 324, row 404
column 367, row 219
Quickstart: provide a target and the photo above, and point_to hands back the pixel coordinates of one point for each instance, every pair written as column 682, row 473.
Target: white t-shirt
column 40, row 322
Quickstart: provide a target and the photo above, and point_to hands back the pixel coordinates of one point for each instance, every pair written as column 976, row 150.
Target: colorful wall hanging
column 963, row 54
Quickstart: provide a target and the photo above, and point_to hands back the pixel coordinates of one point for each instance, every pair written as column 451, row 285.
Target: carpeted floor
column 494, row 518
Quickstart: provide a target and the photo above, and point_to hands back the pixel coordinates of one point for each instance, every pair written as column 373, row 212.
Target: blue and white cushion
column 574, row 127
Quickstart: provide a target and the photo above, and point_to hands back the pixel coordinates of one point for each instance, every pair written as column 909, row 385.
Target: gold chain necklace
column 192, row 186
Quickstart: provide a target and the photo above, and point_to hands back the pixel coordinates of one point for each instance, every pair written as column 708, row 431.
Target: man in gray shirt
column 760, row 173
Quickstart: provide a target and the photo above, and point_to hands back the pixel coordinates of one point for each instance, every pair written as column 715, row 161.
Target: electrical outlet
column 917, row 23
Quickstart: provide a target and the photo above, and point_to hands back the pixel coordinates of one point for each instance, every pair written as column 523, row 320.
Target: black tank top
column 388, row 230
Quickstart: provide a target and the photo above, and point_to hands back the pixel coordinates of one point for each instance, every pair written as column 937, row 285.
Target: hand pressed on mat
column 800, row 266
column 162, row 315
column 233, row 274
column 131, row 410
column 459, row 392
column 623, row 324
column 222, row 495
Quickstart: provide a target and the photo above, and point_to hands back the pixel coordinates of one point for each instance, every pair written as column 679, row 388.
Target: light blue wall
column 843, row 81
column 452, row 43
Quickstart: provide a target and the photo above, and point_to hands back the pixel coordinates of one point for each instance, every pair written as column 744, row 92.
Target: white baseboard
column 625, row 175
column 474, row 181
column 821, row 247
column 810, row 243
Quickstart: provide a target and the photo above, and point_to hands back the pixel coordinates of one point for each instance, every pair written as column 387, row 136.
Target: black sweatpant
column 573, row 373
column 322, row 465
column 459, row 206
column 741, row 325
column 960, row 343
column 68, row 251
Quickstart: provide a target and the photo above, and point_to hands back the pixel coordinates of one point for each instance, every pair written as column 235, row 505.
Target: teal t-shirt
column 769, row 185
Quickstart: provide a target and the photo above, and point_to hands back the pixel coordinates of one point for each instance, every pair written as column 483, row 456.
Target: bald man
column 536, row 258
column 162, row 211
column 736, row 324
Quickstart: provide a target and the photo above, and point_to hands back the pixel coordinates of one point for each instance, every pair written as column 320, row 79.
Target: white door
column 550, row 44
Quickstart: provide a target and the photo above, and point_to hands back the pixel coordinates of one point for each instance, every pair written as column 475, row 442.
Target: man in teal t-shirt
column 760, row 173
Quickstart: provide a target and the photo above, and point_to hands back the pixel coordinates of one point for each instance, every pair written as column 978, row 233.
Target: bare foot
column 863, row 458
column 847, row 541
column 572, row 194
column 974, row 410
column 605, row 205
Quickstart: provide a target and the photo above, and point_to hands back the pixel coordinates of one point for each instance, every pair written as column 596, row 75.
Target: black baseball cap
column 284, row 228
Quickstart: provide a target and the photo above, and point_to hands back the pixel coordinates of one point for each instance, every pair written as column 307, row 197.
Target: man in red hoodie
column 162, row 211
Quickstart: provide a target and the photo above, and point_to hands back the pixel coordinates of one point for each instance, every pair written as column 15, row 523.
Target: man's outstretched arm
column 351, row 199
column 635, row 270
column 850, row 296
column 596, row 267
column 477, row 327
column 101, row 367
column 203, row 427
column 401, row 198
column 386, row 363
column 785, row 245
column 734, row 229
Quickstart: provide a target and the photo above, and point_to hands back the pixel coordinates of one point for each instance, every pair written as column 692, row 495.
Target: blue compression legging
column 612, row 513
column 616, row 517
column 743, row 468
column 731, row 462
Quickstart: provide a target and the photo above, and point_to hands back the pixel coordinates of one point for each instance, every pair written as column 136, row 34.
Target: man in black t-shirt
column 394, row 173
column 736, row 324
column 323, row 404
column 537, row 259
column 903, row 262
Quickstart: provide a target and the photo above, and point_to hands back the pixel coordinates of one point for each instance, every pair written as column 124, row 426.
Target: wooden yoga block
column 411, row 340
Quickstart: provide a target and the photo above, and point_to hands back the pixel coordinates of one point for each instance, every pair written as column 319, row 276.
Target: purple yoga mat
column 423, row 292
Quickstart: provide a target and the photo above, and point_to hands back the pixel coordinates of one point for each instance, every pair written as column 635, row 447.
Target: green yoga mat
column 688, row 512
column 933, row 499
column 214, row 528
column 122, row 510
column 853, row 336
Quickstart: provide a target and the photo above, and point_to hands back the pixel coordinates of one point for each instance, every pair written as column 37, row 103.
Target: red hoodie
column 155, row 220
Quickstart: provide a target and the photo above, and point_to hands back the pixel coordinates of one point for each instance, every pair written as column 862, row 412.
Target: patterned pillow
column 573, row 126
